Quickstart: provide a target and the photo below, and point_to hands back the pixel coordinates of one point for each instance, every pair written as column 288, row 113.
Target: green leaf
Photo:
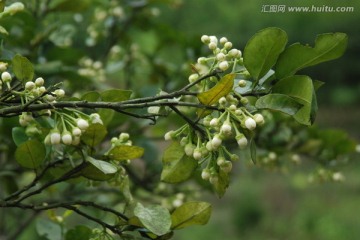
column 48, row 229
column 70, row 5
column 30, row 154
column 156, row 219
column 105, row 167
column 222, row 184
column 3, row 31
column 302, row 90
column 2, row 5
column 253, row 150
column 94, row 134
column 92, row 96
column 22, row 68
column 262, row 51
column 279, row 102
column 177, row 166
column 93, row 173
column 115, row 95
column 221, row 89
column 106, row 115
column 19, row 136
column 327, row 47
column 191, row 213
column 124, row 152
column 80, row 232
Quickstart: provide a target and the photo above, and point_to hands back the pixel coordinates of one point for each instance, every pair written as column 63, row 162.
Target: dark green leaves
column 222, row 184
column 115, row 95
column 23, row 69
column 191, row 213
column 19, row 136
column 94, row 134
column 104, row 167
column 79, row 233
column 156, row 219
column 279, row 102
column 327, row 47
column 177, row 166
column 262, row 51
column 125, row 152
column 30, row 154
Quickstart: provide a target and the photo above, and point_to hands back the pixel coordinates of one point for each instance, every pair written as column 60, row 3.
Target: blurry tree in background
column 89, row 90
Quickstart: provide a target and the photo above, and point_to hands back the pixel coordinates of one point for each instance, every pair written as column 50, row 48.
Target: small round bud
column 338, row 177
column 220, row 56
column 205, row 39
column 238, row 111
column 3, row 66
column 233, row 53
column 55, row 138
column 250, row 123
column 234, row 157
column 39, row 82
column 212, row 46
column 216, row 141
column 213, row 39
column 50, row 98
column 224, row 65
column 169, row 135
column 226, row 166
column 242, row 83
column 123, row 137
column 259, row 119
column 226, row 128
column 95, row 118
column 223, row 40
column 220, row 161
column 59, row 93
column 228, row 45
column 242, row 141
column 232, row 107
column 184, row 141
column 244, row 100
column 6, row 77
column 177, row 203
column 29, row 85
column 209, row 146
column 41, row 90
column 272, row 156
column 76, row 132
column 295, row 158
column 193, row 77
column 214, row 122
column 67, row 138
column 214, row 179
column 205, row 174
column 222, row 101
column 82, row 124
column 197, row 154
column 189, row 149
column 201, row 60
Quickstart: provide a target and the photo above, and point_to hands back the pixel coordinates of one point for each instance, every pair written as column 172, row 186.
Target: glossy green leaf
column 80, row 232
column 327, row 47
column 262, row 51
column 156, row 219
column 94, row 134
column 30, row 154
column 191, row 213
column 301, row 89
column 115, row 95
column 70, row 5
column 92, row 96
column 93, row 173
column 279, row 102
column 177, row 166
column 105, row 167
column 124, row 152
column 106, row 115
column 22, row 68
column 19, row 136
column 221, row 89
column 222, row 184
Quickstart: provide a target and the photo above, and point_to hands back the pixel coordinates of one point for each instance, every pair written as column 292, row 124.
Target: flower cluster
column 92, row 69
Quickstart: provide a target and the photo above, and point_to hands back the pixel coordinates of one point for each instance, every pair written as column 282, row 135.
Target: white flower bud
column 39, row 82
column 338, row 177
column 228, row 45
column 169, row 135
column 242, row 141
column 14, row 8
column 47, row 140
column 76, row 132
column 41, row 90
column 59, row 93
column 50, row 98
column 226, row 166
column 197, row 154
column 29, row 85
column 220, row 56
column 244, row 100
column 209, row 146
column 216, row 141
column 95, row 118
column 205, row 39
column 222, row 101
column 250, row 123
column 6, row 77
column 214, row 179
column 220, row 161
column 123, row 137
column 201, row 60
column 242, row 83
column 223, row 40
column 213, row 39
column 55, row 138
column 214, row 122
column 238, row 111
column 226, row 128
column 232, row 107
column 233, row 53
column 189, row 149
column 212, row 46
column 193, row 77
column 3, row 66
column 67, row 138
column 234, row 157
column 295, row 158
column 205, row 174
column 184, row 141
column 82, row 124
column 259, row 119
column 272, row 156
column 177, row 203
column 224, row 65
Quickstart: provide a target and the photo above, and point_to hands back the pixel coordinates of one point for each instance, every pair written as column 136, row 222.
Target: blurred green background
column 274, row 205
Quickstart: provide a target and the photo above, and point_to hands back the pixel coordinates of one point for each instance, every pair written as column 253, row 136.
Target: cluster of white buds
column 92, row 69
column 123, row 139
column 34, row 89
column 25, row 119
column 224, row 54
